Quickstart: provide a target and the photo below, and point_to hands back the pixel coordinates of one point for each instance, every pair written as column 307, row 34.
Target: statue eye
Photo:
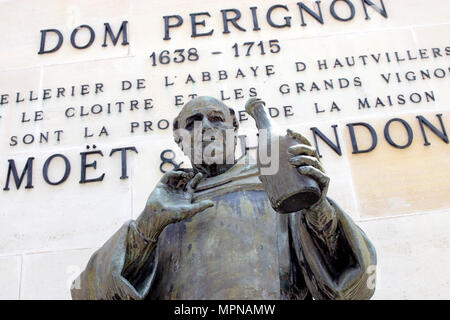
column 190, row 125
column 191, row 121
column 216, row 119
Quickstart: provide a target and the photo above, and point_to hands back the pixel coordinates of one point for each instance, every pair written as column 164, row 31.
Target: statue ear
column 235, row 121
column 176, row 126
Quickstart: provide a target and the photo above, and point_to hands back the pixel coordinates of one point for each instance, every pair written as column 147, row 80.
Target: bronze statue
column 210, row 232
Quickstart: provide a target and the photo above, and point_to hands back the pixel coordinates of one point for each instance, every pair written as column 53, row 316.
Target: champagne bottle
column 287, row 190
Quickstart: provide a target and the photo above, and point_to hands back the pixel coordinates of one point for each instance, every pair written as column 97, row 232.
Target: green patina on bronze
column 211, row 233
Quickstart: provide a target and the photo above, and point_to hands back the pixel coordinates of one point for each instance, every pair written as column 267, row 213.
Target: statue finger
column 322, row 179
column 171, row 175
column 194, row 183
column 299, row 161
column 303, row 149
column 297, row 136
column 182, row 182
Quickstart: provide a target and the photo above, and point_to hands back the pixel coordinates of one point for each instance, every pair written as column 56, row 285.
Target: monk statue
column 210, row 232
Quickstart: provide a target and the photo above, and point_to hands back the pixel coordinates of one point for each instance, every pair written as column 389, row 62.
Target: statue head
column 206, row 131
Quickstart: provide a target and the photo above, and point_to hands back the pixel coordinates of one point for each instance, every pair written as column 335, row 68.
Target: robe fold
column 238, row 249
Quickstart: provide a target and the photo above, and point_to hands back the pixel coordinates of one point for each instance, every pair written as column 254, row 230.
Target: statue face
column 206, row 131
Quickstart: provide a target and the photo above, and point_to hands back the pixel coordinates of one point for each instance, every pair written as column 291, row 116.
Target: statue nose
column 206, row 124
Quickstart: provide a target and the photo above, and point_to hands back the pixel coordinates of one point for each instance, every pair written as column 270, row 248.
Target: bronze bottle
column 287, row 189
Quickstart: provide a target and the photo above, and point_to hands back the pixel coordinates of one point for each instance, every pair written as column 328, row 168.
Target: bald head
column 205, row 108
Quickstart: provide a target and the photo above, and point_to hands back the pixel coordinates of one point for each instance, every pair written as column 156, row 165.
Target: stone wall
column 399, row 192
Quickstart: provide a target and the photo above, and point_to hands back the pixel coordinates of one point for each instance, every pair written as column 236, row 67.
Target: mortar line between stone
column 29, row 253
column 20, row 277
column 405, row 215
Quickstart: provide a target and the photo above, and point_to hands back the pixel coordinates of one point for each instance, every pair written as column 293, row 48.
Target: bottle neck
column 261, row 117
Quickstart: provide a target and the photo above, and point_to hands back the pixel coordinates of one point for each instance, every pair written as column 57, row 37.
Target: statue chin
column 211, row 170
column 215, row 166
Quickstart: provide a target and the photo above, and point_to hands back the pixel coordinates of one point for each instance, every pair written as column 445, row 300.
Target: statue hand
column 171, row 202
column 305, row 159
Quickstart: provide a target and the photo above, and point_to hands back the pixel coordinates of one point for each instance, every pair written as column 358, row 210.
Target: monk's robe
column 239, row 249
